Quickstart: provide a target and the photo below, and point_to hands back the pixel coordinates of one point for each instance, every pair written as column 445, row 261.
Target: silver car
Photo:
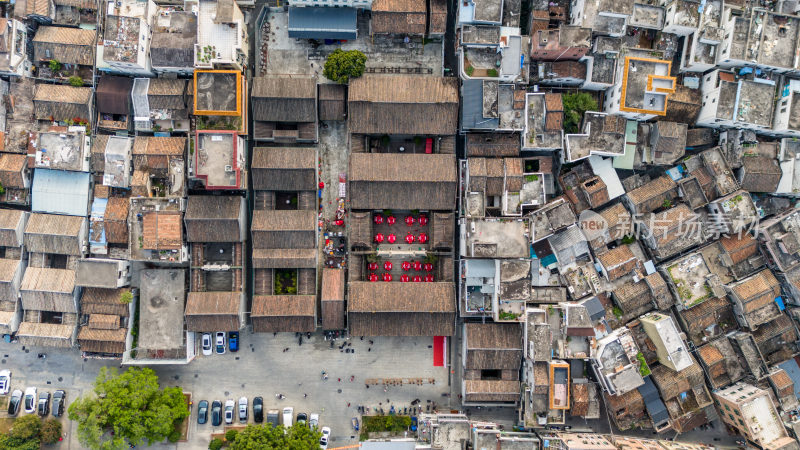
column 243, row 410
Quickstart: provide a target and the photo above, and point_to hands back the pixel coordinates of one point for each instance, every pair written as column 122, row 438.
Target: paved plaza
column 262, row 368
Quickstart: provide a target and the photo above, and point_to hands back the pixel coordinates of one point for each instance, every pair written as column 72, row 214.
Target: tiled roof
column 616, row 256
column 757, row 284
column 161, row 230
column 157, row 145
column 654, row 188
column 65, row 35
column 62, row 94
column 710, row 354
column 781, row 379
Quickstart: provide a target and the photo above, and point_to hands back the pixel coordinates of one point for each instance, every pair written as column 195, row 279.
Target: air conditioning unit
column 228, row 168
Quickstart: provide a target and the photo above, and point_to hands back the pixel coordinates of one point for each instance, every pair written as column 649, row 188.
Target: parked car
column 233, row 341
column 30, row 400
column 302, row 417
column 323, row 441
column 258, row 409
column 44, row 404
column 243, row 410
column 216, row 413
column 229, row 405
column 288, row 412
column 14, row 402
column 207, row 347
column 313, row 421
column 273, row 417
column 5, row 381
column 202, row 412
column 59, row 402
column 220, row 342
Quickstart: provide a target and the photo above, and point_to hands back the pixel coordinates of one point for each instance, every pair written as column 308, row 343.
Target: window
column 490, row 374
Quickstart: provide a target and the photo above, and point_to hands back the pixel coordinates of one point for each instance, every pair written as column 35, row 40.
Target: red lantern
column 392, row 238
column 338, row 222
column 406, row 265
column 373, row 266
column 417, row 266
column 417, row 279
column 404, row 278
column 321, row 184
column 423, row 238
column 387, row 266
column 387, row 277
column 409, row 220
column 379, row 238
column 429, row 278
column 391, row 220
column 373, row 277
column 428, row 267
column 378, row 219
column 423, row 220
column 409, row 238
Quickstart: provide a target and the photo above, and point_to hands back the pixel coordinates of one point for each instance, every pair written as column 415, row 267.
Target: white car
column 288, row 416
column 313, row 421
column 323, row 441
column 207, row 348
column 30, row 400
column 229, row 411
column 5, row 381
column 220, row 342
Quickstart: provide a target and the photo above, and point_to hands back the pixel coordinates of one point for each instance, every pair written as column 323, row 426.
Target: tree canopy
column 25, row 434
column 575, row 104
column 342, row 65
column 130, row 405
column 265, row 437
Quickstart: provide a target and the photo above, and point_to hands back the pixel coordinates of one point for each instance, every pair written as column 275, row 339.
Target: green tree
column 259, row 437
column 126, row 297
column 9, row 443
column 75, row 81
column 129, row 404
column 54, row 65
column 27, row 427
column 575, row 105
column 51, row 431
column 342, row 65
column 25, row 434
column 230, row 435
column 215, row 444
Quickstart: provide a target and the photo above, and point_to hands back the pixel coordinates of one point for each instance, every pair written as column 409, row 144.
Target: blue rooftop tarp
column 779, row 301
column 60, row 192
column 323, row 23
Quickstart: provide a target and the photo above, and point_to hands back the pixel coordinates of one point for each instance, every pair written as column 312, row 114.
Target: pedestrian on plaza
column 340, row 380
column 305, row 395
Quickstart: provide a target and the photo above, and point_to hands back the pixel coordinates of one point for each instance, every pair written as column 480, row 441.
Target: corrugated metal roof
column 472, row 107
column 141, row 105
column 322, row 23
column 652, row 401
column 60, row 192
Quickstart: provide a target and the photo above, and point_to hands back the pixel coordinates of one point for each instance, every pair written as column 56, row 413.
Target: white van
column 288, row 413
